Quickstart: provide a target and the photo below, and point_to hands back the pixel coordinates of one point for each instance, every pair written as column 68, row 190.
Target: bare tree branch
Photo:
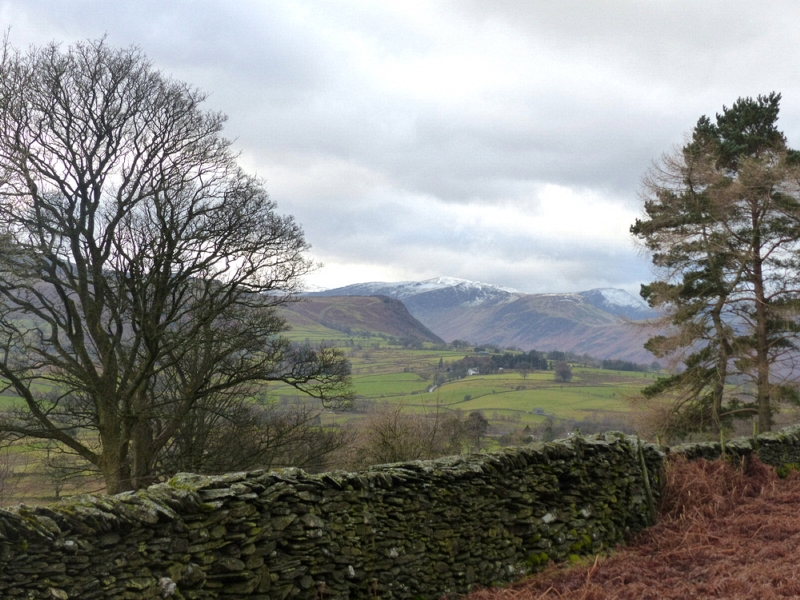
column 141, row 268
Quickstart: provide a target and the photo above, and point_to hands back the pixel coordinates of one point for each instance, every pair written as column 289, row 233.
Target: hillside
column 359, row 314
column 592, row 322
column 619, row 302
column 544, row 322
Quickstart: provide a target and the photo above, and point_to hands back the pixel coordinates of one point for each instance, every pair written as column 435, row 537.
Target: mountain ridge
column 354, row 314
column 593, row 322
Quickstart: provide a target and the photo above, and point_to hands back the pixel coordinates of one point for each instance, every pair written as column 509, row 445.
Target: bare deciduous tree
column 140, row 268
column 562, row 371
column 475, row 428
column 390, row 433
column 237, row 434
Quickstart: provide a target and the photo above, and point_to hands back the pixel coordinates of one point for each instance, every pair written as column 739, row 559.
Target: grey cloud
column 287, row 89
column 280, row 87
column 401, row 234
column 603, row 88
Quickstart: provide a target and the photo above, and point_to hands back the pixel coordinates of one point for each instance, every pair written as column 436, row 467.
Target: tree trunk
column 113, row 465
column 763, row 390
column 722, row 370
column 142, row 455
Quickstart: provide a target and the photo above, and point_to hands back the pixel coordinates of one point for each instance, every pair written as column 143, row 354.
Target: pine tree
column 722, row 227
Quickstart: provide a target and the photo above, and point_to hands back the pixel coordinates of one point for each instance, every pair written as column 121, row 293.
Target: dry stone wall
column 779, row 448
column 408, row 530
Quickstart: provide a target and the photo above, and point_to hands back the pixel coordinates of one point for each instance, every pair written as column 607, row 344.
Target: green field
column 383, row 371
column 387, row 373
column 510, row 392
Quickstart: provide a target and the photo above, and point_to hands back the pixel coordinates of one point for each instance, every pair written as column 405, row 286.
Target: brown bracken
column 725, row 531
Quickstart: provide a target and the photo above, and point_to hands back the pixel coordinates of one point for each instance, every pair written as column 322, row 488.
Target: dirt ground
column 725, row 532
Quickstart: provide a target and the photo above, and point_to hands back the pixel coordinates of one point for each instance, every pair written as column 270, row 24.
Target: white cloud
column 559, row 237
column 501, row 141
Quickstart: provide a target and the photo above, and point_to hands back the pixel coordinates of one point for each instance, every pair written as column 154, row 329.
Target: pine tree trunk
column 722, row 370
column 763, row 390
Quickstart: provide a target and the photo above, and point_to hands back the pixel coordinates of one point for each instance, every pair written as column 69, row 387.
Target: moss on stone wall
column 774, row 448
column 408, row 530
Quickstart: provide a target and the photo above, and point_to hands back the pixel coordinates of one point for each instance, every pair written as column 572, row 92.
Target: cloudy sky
column 500, row 141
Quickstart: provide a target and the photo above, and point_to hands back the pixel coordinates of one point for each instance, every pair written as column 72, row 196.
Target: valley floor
column 723, row 533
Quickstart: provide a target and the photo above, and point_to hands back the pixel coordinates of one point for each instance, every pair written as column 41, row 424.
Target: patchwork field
column 385, row 371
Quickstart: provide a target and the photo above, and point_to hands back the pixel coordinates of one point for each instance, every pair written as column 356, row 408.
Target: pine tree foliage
column 722, row 226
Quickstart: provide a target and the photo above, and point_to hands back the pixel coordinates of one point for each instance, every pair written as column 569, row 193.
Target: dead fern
column 725, row 531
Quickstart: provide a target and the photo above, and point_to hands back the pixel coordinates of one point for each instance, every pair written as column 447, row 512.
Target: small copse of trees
column 528, row 361
column 624, row 365
column 562, row 371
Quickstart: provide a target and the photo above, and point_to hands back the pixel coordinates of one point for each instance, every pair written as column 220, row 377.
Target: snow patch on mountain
column 567, row 297
column 310, row 287
column 442, row 282
column 404, row 289
column 473, row 292
column 619, row 302
column 621, row 298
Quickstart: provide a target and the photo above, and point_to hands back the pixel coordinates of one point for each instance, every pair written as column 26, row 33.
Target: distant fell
column 357, row 314
column 619, row 302
column 592, row 322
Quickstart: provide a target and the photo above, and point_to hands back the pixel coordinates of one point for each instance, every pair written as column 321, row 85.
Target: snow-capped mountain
column 309, row 288
column 619, row 302
column 440, row 290
column 452, row 291
column 589, row 322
